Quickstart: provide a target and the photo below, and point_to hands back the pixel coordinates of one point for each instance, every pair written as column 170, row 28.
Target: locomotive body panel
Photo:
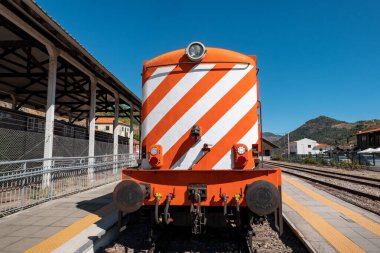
column 200, row 137
column 218, row 94
column 228, row 182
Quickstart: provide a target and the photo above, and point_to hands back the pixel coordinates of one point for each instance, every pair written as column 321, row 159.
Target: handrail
column 23, row 186
column 57, row 158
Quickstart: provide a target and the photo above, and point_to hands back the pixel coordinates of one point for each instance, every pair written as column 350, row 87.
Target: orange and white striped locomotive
column 201, row 140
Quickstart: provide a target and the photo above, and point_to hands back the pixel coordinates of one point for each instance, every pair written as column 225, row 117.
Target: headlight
column 195, row 51
column 154, row 151
column 241, row 150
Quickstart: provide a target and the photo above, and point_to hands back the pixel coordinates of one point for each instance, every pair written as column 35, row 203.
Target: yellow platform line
column 339, row 241
column 71, row 231
column 356, row 217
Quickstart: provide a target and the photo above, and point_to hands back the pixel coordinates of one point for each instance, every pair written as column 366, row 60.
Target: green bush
column 324, row 162
column 356, row 166
column 343, row 165
column 309, row 160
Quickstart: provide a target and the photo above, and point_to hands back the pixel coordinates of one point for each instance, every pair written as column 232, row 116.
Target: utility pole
column 288, row 147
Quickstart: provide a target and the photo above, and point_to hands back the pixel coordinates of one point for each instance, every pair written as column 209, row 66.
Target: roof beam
column 7, row 51
column 18, row 44
column 72, row 103
column 77, row 117
column 50, row 47
column 18, row 106
column 36, row 74
column 8, row 68
column 14, row 62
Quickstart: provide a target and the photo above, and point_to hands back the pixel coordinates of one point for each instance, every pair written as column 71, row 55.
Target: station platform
column 326, row 223
column 86, row 221
column 70, row 224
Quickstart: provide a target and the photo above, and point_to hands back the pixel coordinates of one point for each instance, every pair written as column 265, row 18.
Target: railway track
column 373, row 182
column 139, row 237
column 180, row 239
column 135, row 238
column 358, row 190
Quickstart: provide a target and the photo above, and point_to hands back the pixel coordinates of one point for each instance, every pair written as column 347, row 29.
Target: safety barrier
column 26, row 183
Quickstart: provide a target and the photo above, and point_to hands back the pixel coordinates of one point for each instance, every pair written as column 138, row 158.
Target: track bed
column 180, row 239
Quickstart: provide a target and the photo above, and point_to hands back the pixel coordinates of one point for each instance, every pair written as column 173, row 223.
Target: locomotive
column 201, row 139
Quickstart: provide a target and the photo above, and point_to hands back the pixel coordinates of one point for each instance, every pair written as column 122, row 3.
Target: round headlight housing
column 241, row 150
column 195, row 51
column 154, row 151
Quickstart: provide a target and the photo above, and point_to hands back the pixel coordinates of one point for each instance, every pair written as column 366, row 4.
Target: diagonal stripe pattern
column 155, row 80
column 221, row 100
column 249, row 138
column 210, row 117
column 174, row 95
column 220, row 129
column 166, row 81
column 187, row 101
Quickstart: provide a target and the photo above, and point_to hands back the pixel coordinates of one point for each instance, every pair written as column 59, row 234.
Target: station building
column 368, row 139
column 267, row 149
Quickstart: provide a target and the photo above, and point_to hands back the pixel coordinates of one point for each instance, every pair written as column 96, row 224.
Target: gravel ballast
column 180, row 239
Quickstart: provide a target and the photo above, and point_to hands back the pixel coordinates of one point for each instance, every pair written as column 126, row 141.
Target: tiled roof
column 322, row 145
column 368, row 131
column 270, row 143
column 108, row 121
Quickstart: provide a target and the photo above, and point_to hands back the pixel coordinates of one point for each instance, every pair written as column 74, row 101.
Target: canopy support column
column 50, row 110
column 131, row 130
column 140, row 140
column 116, row 134
column 91, row 132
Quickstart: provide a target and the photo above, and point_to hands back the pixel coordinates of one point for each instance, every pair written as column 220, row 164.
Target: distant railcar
column 201, row 141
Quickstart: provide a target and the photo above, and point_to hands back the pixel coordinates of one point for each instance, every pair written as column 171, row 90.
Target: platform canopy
column 26, row 35
column 46, row 72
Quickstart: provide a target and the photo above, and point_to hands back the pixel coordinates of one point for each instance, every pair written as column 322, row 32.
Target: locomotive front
column 200, row 141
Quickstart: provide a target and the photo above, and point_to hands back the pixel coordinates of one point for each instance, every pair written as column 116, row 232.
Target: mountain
column 327, row 130
column 271, row 136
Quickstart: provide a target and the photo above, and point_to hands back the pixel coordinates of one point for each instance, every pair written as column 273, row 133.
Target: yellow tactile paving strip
column 340, row 242
column 356, row 217
column 332, row 235
column 71, row 231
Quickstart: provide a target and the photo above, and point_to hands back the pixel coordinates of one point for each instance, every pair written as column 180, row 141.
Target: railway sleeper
column 153, row 233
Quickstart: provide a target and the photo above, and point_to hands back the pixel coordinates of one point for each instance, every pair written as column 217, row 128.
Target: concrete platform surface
column 327, row 223
column 77, row 223
column 46, row 227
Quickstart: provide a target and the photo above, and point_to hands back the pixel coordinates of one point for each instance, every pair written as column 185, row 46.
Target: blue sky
column 315, row 57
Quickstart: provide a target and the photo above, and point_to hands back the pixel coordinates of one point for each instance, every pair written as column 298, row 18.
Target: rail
column 357, row 190
column 26, row 183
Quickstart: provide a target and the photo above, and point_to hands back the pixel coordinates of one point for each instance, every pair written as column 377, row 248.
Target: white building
column 322, row 148
column 106, row 125
column 302, row 147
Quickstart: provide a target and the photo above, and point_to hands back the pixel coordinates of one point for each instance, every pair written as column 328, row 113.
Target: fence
column 345, row 157
column 30, row 182
column 22, row 137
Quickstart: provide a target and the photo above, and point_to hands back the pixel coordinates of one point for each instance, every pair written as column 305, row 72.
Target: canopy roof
column 24, row 31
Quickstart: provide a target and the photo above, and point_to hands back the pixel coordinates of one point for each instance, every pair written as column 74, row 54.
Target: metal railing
column 27, row 183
